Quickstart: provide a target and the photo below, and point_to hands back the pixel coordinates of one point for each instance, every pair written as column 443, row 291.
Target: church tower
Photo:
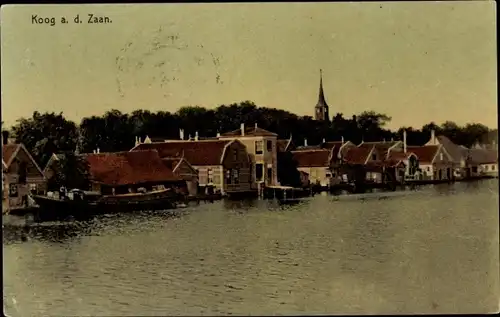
column 321, row 109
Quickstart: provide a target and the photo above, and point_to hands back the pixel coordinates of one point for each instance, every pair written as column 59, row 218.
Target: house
column 485, row 162
column 21, row 175
column 222, row 164
column 50, row 167
column 184, row 170
column 125, row 172
column 434, row 162
column 457, row 154
column 262, row 148
column 316, row 164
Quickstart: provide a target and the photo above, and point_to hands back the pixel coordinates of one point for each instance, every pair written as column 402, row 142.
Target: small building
column 317, row 164
column 457, row 154
column 485, row 162
column 184, row 170
column 221, row 164
column 262, row 147
column 125, row 172
column 434, row 162
column 21, row 175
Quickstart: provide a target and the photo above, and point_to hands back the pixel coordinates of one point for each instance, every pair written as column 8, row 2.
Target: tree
column 44, row 134
column 71, row 171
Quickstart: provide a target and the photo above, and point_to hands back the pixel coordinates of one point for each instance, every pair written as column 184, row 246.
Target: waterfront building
column 21, row 174
column 434, row 162
column 261, row 146
column 485, row 162
column 458, row 154
column 116, row 173
column 224, row 165
column 317, row 164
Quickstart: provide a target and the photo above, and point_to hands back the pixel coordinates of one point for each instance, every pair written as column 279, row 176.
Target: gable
column 235, row 153
column 19, row 157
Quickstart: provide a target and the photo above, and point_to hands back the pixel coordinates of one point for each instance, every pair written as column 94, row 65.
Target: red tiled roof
column 205, row 152
column 8, row 150
column 249, row 131
column 312, row 158
column 357, row 155
column 425, row 154
column 127, row 168
column 331, row 144
column 171, row 162
column 399, row 155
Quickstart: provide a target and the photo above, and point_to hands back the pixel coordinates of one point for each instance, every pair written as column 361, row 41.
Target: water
column 434, row 250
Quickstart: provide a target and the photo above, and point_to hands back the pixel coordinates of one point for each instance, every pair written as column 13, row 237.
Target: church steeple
column 321, row 109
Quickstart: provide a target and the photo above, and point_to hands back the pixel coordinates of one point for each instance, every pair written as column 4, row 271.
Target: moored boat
column 84, row 205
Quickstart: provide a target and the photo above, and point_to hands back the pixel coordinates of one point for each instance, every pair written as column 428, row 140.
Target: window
column 328, row 175
column 259, row 171
column 236, row 176
column 269, row 146
column 259, row 147
column 269, row 173
column 486, row 167
column 474, row 169
column 374, row 157
column 428, row 168
column 492, row 167
column 13, row 190
column 228, row 176
column 440, row 156
column 235, row 154
column 210, row 173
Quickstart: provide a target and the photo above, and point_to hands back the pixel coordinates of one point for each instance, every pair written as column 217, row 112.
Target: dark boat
column 84, row 205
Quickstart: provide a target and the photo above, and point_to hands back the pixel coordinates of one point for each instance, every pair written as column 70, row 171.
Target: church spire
column 321, row 109
column 321, row 96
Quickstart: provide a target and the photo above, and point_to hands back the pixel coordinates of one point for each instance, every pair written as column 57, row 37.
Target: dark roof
column 357, row 155
column 312, row 158
column 483, row 156
column 127, row 168
column 309, row 147
column 331, row 144
column 249, row 131
column 382, row 147
column 171, row 162
column 424, row 153
column 455, row 151
column 204, row 152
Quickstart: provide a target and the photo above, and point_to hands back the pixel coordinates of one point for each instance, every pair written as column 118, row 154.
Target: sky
column 416, row 62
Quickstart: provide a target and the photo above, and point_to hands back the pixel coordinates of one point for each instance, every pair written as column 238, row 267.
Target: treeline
column 47, row 133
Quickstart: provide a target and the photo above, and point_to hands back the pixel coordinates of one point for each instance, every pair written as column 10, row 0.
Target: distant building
column 184, row 170
column 457, row 154
column 434, row 162
column 321, row 111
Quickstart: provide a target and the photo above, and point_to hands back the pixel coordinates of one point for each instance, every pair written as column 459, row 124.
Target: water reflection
column 319, row 255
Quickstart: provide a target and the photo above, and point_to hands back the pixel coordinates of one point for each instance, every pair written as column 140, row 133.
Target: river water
column 433, row 250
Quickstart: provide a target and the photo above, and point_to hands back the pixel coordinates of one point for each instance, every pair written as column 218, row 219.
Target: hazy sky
column 417, row 62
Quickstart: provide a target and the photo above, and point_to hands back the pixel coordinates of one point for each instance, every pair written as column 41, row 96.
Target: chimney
column 305, row 142
column 218, row 134
column 433, row 137
column 95, row 151
column 342, row 139
column 255, row 125
column 384, row 140
column 392, row 139
column 196, row 136
column 181, row 134
column 136, row 140
column 242, row 128
column 404, row 141
column 98, row 151
column 189, row 137
column 5, row 137
column 324, row 141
